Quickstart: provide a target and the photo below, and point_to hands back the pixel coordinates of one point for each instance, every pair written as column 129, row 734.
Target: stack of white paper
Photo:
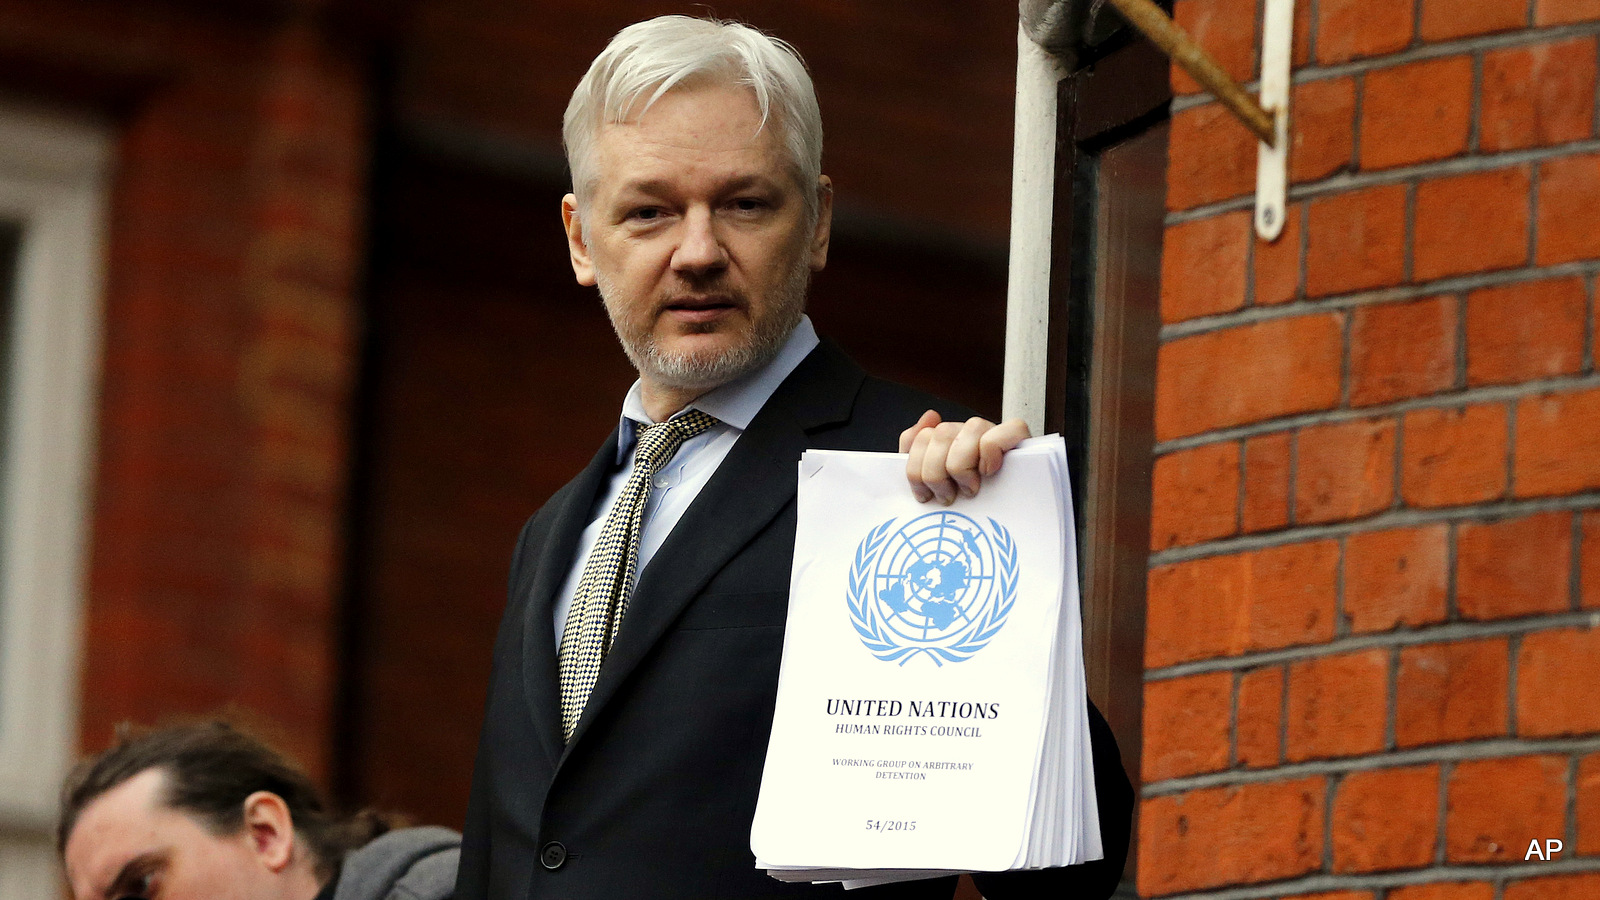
column 931, row 711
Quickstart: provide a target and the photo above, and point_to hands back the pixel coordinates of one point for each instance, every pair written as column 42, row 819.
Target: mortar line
column 1484, row 394
column 1341, row 619
column 1344, row 182
column 1283, row 713
column 1345, row 328
column 1533, row 214
column 1325, row 883
column 1398, row 293
column 1475, row 112
column 1511, row 448
column 1588, row 322
column 1474, row 43
column 1575, row 576
column 1391, row 711
column 1403, row 518
column 1461, row 340
column 1357, row 110
column 1330, row 794
column 1233, row 722
column 1239, row 499
column 1447, row 770
column 1454, row 631
column 1496, row 748
column 1571, row 835
column 1294, row 479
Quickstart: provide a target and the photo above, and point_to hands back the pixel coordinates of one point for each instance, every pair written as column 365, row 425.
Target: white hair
column 647, row 59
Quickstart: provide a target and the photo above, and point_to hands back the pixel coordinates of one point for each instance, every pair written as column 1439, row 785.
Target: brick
column 1226, row 29
column 1227, row 605
column 1196, row 495
column 1452, row 692
column 1258, row 733
column 1338, row 705
column 1396, row 578
column 1589, row 562
column 1350, row 29
column 1565, row 12
column 1203, row 266
column 1212, row 157
column 1537, row 95
column 1454, row 456
column 1333, row 895
column 1323, row 128
column 1266, row 481
column 1230, row 835
column 1400, row 350
column 1556, row 452
column 1514, row 567
column 1302, row 35
column 1416, row 112
column 1557, row 692
column 1186, row 725
column 1584, row 886
column 1356, row 241
column 1587, row 803
column 1385, row 819
column 1344, row 471
column 1444, row 20
column 1277, row 264
column 1569, row 193
column 1444, row 890
column 1194, row 609
column 1493, row 806
column 1476, row 222
column 1524, row 331
column 1251, row 373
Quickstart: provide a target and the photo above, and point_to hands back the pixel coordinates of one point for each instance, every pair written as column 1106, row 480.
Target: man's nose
column 700, row 249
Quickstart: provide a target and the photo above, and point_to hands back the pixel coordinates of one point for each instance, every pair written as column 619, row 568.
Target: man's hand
column 951, row 458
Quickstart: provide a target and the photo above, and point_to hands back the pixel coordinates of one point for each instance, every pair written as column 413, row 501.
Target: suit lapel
column 539, row 579
column 751, row 486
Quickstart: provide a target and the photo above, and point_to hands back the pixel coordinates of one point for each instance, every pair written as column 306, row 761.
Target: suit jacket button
column 553, row 856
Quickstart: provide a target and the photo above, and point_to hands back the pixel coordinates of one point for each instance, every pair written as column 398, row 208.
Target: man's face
column 128, row 843
column 697, row 234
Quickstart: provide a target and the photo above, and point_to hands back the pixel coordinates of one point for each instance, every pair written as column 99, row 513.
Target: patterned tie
column 601, row 599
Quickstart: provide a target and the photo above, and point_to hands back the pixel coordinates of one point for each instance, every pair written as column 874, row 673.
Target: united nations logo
column 942, row 585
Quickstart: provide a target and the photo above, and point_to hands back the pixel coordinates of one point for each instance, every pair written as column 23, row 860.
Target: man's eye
column 749, row 204
column 141, row 888
column 646, row 214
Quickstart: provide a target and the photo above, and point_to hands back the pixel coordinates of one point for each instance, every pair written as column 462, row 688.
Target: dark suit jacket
column 655, row 794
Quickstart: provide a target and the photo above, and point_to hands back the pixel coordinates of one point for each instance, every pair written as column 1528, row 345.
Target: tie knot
column 658, row 442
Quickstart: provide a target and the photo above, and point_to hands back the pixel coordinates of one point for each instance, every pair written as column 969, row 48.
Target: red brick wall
column 229, row 346
column 1374, row 611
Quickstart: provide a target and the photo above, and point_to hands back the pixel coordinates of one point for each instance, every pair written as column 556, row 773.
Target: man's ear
column 824, row 230
column 270, row 828
column 577, row 248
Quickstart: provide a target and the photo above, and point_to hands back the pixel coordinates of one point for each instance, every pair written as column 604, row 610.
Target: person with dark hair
column 205, row 811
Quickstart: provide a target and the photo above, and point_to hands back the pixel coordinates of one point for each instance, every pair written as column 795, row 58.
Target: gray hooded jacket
column 409, row 864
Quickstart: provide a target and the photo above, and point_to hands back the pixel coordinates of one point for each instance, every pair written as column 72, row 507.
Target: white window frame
column 54, row 172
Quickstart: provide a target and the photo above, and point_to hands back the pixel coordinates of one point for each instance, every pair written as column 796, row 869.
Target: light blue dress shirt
column 733, row 405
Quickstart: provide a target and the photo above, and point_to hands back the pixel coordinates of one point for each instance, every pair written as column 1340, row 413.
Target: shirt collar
column 734, row 404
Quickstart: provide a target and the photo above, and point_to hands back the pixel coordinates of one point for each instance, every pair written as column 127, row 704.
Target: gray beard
column 702, row 372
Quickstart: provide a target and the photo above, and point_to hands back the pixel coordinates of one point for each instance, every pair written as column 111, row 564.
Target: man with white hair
column 636, row 666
